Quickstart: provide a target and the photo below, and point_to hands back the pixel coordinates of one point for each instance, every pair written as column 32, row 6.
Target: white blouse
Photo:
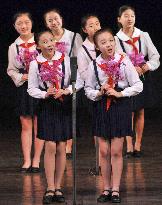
column 35, row 81
column 130, row 83
column 147, row 47
column 67, row 38
column 13, row 64
column 83, row 61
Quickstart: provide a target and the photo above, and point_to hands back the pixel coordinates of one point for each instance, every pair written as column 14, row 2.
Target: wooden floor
column 141, row 181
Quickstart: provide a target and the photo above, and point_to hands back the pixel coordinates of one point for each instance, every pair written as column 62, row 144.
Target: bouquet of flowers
column 25, row 57
column 111, row 67
column 51, row 73
column 61, row 47
column 137, row 60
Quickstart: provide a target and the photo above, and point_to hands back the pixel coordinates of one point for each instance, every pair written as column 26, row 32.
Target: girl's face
column 53, row 21
column 127, row 19
column 23, row 25
column 92, row 25
column 46, row 44
column 106, row 44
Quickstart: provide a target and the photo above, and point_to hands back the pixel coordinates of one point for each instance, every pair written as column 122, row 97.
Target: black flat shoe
column 59, row 198
column 95, row 172
column 115, row 198
column 48, row 199
column 104, row 197
column 35, row 169
column 25, row 170
column 69, row 156
column 129, row 154
column 137, row 154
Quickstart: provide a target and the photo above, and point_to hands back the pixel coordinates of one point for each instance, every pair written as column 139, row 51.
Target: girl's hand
column 139, row 70
column 104, row 88
column 100, row 93
column 25, row 77
column 66, row 92
column 51, row 91
column 145, row 68
column 58, row 93
column 112, row 92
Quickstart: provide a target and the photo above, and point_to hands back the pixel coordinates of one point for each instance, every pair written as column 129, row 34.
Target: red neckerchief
column 132, row 43
column 110, row 82
column 27, row 45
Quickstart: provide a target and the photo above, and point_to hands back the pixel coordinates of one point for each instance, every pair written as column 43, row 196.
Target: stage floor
column 141, row 182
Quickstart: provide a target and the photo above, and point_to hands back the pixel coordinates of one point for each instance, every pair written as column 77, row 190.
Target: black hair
column 84, row 22
column 122, row 9
column 20, row 13
column 102, row 30
column 37, row 35
column 52, row 10
column 85, row 18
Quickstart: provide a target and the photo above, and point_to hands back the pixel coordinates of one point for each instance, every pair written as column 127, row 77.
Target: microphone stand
column 73, row 63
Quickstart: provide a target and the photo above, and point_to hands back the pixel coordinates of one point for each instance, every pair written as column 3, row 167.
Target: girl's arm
column 153, row 55
column 82, row 64
column 131, row 75
column 68, row 87
column 90, row 85
column 12, row 70
column 33, row 82
column 77, row 44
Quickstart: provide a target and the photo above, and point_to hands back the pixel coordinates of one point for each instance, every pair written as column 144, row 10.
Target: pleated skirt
column 114, row 122
column 148, row 98
column 81, row 99
column 54, row 120
column 25, row 104
column 81, row 109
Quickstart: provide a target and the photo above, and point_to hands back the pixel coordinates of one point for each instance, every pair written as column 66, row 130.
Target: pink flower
column 25, row 57
column 137, row 59
column 51, row 73
column 111, row 67
column 61, row 47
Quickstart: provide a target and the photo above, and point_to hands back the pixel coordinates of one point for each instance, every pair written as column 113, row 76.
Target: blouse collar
column 121, row 35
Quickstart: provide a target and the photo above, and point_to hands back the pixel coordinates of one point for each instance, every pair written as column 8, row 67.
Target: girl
column 90, row 24
column 49, row 78
column 20, row 53
column 111, row 80
column 72, row 42
column 137, row 43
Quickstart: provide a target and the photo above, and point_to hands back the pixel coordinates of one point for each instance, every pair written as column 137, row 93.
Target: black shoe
column 115, row 198
column 59, row 198
column 104, row 197
column 35, row 169
column 137, row 154
column 69, row 156
column 25, row 170
column 48, row 199
column 95, row 172
column 129, row 154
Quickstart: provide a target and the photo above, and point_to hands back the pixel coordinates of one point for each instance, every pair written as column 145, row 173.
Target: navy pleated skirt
column 81, row 99
column 116, row 122
column 25, row 104
column 54, row 120
column 148, row 97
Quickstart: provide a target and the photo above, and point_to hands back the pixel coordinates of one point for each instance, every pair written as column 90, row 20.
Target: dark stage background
column 148, row 18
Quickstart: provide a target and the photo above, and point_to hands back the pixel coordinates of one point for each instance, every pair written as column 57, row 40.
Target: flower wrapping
column 25, row 56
